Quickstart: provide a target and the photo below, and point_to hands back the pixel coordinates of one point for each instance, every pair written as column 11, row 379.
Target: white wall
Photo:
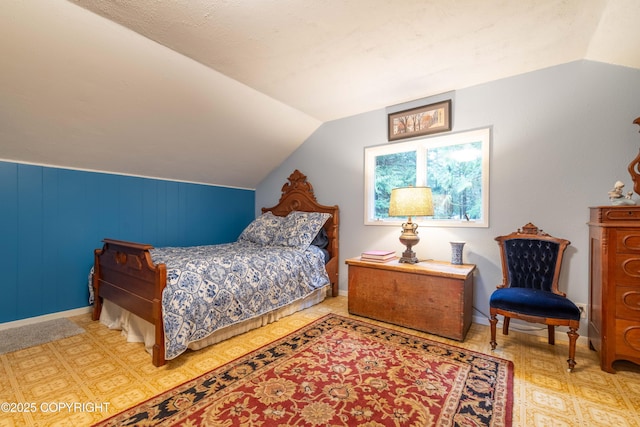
column 561, row 137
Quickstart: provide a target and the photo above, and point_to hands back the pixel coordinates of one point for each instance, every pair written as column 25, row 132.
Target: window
column 455, row 166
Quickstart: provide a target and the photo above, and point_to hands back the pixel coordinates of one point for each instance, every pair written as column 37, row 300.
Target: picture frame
column 419, row 121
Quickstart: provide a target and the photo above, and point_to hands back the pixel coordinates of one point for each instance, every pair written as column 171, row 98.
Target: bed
column 139, row 288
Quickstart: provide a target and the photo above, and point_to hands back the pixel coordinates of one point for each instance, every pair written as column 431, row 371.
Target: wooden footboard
column 125, row 274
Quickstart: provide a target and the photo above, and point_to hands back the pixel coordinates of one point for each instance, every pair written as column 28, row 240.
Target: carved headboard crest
column 297, row 181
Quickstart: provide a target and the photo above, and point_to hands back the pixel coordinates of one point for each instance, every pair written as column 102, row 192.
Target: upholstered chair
column 531, row 262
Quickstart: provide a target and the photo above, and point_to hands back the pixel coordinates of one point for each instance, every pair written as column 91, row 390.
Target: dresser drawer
column 620, row 214
column 628, row 302
column 628, row 241
column 628, row 339
column 627, row 270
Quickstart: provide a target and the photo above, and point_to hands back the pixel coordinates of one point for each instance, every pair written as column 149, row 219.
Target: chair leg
column 552, row 334
column 493, row 321
column 573, row 337
column 505, row 325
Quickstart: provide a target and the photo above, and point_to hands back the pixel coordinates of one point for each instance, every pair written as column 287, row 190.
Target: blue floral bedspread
column 210, row 287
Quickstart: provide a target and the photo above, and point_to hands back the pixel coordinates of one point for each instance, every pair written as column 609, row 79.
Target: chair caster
column 572, row 365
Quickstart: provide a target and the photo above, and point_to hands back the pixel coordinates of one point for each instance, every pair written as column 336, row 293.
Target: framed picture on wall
column 425, row 120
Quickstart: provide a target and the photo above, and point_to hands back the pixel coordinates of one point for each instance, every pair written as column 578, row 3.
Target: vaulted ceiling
column 221, row 92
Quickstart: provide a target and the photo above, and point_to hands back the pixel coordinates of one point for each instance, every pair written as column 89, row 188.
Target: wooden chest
column 614, row 284
column 430, row 296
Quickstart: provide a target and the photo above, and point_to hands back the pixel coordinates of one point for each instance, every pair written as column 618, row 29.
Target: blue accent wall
column 52, row 219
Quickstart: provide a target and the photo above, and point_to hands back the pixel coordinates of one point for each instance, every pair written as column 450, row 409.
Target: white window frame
column 421, row 146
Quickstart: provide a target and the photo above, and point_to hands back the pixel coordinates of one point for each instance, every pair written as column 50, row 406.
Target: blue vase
column 456, row 252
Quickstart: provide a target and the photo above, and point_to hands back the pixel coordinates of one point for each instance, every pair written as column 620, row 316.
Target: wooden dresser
column 614, row 294
column 429, row 296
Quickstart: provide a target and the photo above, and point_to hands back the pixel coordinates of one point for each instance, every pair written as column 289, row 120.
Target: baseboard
column 45, row 317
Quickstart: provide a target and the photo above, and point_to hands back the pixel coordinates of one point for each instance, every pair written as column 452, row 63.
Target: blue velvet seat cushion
column 534, row 302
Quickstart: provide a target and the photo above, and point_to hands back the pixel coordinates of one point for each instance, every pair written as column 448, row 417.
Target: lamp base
column 408, row 257
column 409, row 238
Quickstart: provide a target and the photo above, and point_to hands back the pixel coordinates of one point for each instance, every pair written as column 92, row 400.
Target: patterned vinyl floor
column 82, row 379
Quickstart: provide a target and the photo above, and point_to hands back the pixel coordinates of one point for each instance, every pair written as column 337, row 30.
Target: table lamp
column 410, row 201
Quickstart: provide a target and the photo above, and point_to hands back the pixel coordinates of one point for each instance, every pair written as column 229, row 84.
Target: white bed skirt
column 136, row 329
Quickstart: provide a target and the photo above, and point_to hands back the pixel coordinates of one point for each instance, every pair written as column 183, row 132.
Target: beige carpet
column 38, row 333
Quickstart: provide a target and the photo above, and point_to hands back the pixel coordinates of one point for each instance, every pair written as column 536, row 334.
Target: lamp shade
column 411, row 201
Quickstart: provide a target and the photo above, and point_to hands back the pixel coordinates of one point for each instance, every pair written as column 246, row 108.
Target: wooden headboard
column 297, row 195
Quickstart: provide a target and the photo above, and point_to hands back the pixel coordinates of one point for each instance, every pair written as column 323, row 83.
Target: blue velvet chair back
column 531, row 263
column 531, row 259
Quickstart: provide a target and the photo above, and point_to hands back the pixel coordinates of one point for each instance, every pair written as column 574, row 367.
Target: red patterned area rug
column 339, row 371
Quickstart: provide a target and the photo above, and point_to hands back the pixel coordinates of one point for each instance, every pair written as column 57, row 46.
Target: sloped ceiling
column 221, row 92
